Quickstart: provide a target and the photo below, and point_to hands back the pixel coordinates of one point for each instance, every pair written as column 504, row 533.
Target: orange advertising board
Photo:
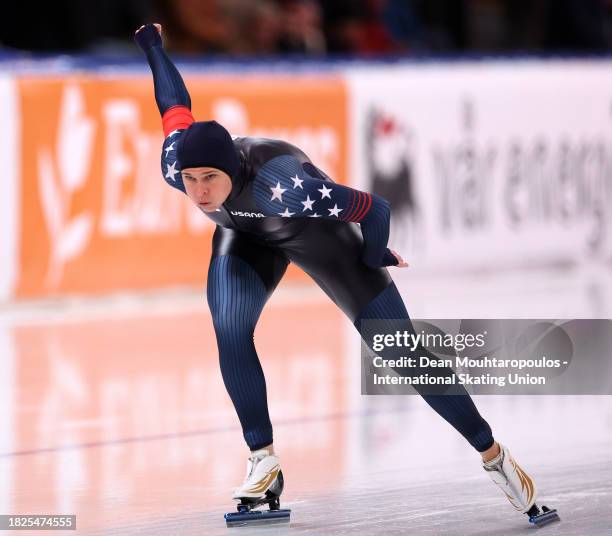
column 96, row 215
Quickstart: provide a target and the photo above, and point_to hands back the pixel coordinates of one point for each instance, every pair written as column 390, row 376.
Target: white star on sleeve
column 172, row 133
column 335, row 211
column 315, row 215
column 277, row 192
column 171, row 171
column 325, row 192
column 297, row 182
column 307, row 204
column 169, row 148
column 286, row 214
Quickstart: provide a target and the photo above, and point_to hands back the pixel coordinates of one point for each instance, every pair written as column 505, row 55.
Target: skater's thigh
column 330, row 252
column 241, row 277
column 266, row 262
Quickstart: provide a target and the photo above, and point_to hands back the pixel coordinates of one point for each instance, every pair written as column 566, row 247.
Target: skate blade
column 257, row 517
column 547, row 516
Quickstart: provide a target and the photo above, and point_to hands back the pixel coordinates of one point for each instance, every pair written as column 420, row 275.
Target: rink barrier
column 96, row 215
column 487, row 165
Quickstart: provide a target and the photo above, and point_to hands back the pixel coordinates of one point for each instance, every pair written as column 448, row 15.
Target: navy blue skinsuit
column 283, row 209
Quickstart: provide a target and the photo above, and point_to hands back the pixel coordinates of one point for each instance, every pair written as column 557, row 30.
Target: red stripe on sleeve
column 366, row 208
column 177, row 117
column 348, row 212
column 356, row 207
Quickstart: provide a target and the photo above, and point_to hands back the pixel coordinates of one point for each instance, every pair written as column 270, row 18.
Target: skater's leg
column 460, row 411
column 241, row 278
column 331, row 255
column 457, row 409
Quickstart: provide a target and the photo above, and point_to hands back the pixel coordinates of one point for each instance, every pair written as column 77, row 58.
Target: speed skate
column 263, row 486
column 518, row 487
column 542, row 517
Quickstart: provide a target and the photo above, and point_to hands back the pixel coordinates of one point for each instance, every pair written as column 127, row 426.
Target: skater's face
column 207, row 187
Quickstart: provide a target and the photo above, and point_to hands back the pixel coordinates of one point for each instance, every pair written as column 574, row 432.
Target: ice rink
column 114, row 410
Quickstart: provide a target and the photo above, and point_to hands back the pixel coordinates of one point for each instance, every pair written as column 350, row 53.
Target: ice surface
column 116, row 412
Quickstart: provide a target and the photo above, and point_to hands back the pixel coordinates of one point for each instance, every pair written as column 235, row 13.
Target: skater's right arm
column 171, row 95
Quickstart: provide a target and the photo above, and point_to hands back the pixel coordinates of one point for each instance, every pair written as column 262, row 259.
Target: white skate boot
column 262, row 485
column 262, row 474
column 518, row 487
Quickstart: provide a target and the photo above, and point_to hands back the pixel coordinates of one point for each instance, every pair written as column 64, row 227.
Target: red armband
column 177, row 117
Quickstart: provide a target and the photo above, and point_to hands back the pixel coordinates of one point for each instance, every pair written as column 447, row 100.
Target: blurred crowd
column 313, row 27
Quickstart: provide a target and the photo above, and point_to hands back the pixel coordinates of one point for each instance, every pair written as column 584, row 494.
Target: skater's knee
column 233, row 314
column 387, row 305
column 228, row 321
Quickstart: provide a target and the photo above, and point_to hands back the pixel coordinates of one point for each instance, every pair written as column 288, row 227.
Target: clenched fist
column 148, row 36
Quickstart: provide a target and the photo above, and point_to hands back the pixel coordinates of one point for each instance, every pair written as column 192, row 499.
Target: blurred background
column 315, row 27
column 486, row 123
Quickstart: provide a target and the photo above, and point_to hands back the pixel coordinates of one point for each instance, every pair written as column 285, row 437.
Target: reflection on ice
column 123, row 419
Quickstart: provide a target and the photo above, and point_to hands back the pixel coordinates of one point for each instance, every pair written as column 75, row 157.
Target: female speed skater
column 273, row 206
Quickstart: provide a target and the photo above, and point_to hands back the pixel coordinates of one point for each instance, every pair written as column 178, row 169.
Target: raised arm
column 284, row 187
column 171, row 95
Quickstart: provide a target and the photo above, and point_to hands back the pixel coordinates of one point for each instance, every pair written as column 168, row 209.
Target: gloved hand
column 389, row 259
column 148, row 36
column 392, row 258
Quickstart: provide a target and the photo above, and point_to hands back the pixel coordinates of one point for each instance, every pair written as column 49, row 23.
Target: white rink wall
column 488, row 164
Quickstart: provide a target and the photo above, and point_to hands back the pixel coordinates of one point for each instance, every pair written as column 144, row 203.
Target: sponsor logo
column 247, row 214
column 61, row 171
column 463, row 170
column 132, row 203
column 527, row 181
column 389, row 157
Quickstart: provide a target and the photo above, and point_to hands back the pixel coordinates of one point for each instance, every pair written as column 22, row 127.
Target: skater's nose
column 202, row 190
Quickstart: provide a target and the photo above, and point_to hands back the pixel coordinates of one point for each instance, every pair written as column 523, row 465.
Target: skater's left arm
column 287, row 188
